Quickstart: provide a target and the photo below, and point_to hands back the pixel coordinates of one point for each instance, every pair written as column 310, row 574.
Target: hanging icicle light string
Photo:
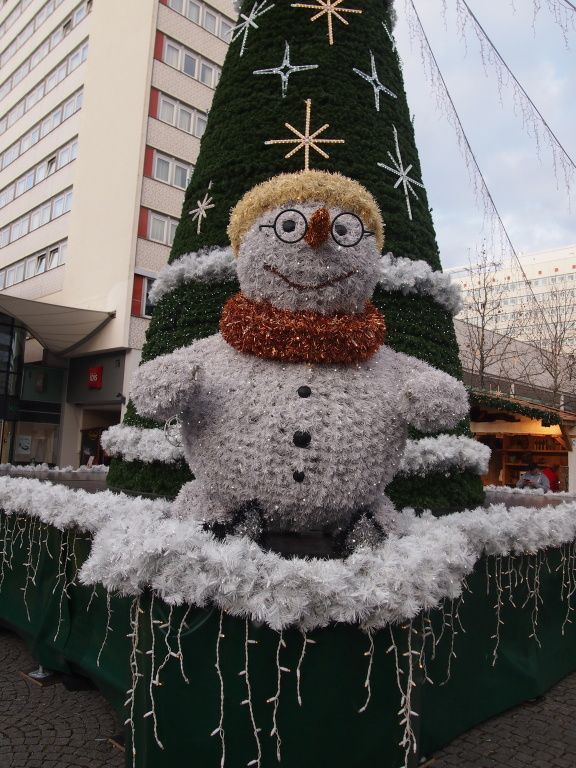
column 480, row 188
column 532, row 118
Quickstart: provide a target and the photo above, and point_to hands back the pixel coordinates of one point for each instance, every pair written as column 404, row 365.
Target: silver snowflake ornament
column 375, row 82
column 201, row 211
column 402, row 173
column 285, row 69
column 249, row 22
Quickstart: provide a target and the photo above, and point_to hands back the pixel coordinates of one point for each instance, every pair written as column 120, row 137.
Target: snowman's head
column 308, row 241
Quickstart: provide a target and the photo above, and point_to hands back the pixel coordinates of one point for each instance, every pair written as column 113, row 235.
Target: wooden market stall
column 519, row 432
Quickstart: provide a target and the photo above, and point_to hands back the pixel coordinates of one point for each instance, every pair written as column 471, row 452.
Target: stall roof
column 59, row 329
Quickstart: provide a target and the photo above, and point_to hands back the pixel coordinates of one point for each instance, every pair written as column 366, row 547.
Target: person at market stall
column 533, row 478
column 552, row 475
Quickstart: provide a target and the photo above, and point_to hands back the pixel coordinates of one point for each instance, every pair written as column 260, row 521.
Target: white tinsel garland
column 137, row 444
column 44, row 470
column 218, row 263
column 442, row 453
column 137, row 543
column 64, row 508
column 408, row 276
column 204, row 266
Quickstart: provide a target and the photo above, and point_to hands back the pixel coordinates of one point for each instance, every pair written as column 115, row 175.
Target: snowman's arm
column 162, row 388
column 433, row 400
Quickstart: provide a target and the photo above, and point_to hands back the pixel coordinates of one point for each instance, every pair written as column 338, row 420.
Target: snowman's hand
column 433, row 400
column 163, row 387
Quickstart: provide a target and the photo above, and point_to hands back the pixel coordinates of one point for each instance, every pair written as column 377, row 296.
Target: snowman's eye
column 347, row 229
column 290, row 226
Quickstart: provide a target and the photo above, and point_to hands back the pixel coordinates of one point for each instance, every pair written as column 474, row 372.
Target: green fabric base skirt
column 202, row 683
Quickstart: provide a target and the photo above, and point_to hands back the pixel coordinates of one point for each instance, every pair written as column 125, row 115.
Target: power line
column 519, row 85
column 470, row 155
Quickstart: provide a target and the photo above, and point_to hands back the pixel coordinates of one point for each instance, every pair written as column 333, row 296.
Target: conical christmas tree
column 308, row 85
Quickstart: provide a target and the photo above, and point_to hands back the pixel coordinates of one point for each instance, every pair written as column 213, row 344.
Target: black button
column 301, row 439
column 304, row 391
column 298, row 476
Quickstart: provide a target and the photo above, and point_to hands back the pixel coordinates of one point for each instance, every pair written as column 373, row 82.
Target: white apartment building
column 547, row 276
column 102, row 107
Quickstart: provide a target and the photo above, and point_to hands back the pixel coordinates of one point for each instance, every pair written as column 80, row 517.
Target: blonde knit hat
column 329, row 188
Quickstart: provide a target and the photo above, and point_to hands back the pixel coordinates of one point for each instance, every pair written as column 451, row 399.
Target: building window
column 162, row 169
column 51, row 209
column 190, row 63
column 199, row 13
column 40, row 130
column 161, row 228
column 141, row 304
column 181, row 116
column 34, row 265
column 22, row 38
column 167, row 110
column 148, row 306
column 157, row 228
column 172, row 171
column 35, row 175
column 13, row 16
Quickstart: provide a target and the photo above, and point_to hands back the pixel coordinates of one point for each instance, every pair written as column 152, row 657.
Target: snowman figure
column 297, row 411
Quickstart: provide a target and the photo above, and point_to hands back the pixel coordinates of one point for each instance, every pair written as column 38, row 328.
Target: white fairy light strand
column 179, row 644
column 165, row 628
column 275, row 700
column 220, row 729
column 108, row 628
column 248, row 700
column 152, row 653
column 28, row 565
column 448, row 618
column 568, row 565
column 306, row 641
column 368, row 681
column 497, row 606
column 135, row 612
column 65, row 548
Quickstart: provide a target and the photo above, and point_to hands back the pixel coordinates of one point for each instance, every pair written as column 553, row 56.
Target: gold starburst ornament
column 306, row 140
column 332, row 9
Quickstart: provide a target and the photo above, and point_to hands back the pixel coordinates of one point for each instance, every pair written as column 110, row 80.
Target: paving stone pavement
column 50, row 727
column 55, row 728
column 541, row 734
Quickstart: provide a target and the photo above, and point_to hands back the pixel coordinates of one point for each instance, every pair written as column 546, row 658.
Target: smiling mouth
column 308, row 286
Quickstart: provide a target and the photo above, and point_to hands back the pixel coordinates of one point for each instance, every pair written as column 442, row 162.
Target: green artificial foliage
column 148, row 479
column 248, row 110
column 440, row 492
column 548, row 418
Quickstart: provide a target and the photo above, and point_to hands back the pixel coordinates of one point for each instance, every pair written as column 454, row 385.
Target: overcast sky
column 532, row 203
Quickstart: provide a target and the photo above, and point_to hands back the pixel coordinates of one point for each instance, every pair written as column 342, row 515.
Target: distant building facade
column 547, row 273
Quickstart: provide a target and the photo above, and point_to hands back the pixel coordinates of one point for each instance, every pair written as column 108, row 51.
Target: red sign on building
column 95, row 377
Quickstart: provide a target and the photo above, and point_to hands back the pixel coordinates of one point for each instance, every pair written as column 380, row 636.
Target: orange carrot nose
column 318, row 228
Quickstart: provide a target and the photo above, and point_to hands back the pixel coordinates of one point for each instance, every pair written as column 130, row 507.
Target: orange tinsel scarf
column 258, row 328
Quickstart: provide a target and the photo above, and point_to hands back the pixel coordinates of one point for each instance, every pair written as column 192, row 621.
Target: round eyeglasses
column 291, row 226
